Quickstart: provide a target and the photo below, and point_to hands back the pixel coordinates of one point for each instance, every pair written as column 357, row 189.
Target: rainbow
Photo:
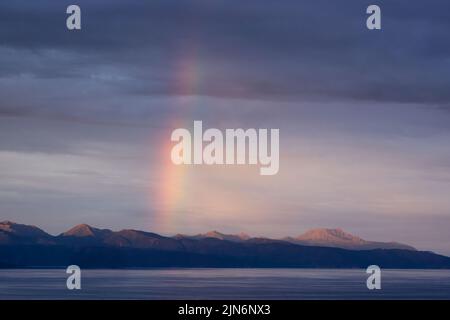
column 173, row 179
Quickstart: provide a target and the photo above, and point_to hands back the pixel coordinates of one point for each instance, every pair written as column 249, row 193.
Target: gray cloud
column 296, row 51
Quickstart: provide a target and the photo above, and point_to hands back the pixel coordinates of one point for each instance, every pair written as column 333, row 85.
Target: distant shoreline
column 216, row 268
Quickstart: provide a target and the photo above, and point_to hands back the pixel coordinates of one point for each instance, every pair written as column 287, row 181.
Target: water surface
column 224, row 284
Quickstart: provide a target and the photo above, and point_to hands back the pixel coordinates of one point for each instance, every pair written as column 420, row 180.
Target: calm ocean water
column 224, row 284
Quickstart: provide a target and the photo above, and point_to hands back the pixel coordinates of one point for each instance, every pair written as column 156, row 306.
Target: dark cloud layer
column 294, row 50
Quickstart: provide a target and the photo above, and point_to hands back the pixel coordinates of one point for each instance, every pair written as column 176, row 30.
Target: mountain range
column 89, row 247
column 340, row 239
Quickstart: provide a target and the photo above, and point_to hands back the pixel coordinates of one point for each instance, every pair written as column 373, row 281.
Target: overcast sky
column 364, row 116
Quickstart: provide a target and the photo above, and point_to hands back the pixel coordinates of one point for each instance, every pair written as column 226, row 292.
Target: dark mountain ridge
column 89, row 247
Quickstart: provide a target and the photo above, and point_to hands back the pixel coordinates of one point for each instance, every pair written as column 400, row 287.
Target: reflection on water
column 224, row 284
